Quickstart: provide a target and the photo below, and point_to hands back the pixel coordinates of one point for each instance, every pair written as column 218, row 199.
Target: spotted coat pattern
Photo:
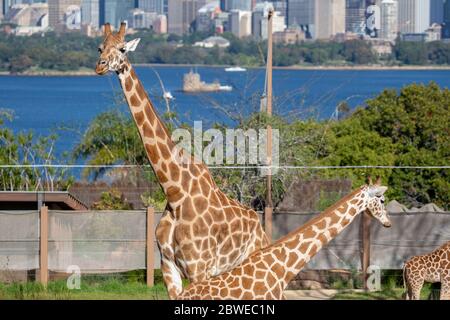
column 202, row 232
column 433, row 267
column 266, row 273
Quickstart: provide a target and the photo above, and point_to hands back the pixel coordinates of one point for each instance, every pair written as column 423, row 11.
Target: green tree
column 411, row 52
column 20, row 63
column 359, row 52
column 112, row 200
column 23, row 151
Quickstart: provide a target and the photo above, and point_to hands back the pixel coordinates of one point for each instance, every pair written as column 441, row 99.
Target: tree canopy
column 406, row 128
column 74, row 51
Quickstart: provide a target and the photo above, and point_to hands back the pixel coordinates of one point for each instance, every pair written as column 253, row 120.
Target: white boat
column 225, row 88
column 168, row 96
column 235, row 69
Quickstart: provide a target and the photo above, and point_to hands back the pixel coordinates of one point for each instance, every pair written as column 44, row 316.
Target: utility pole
column 268, row 210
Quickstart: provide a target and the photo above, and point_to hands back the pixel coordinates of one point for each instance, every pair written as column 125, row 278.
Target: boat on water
column 235, row 69
column 226, row 88
column 193, row 83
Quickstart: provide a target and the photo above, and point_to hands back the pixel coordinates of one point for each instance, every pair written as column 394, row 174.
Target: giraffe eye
column 100, row 50
column 122, row 50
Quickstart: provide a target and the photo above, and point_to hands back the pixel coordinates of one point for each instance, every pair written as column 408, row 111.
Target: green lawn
column 105, row 290
column 125, row 286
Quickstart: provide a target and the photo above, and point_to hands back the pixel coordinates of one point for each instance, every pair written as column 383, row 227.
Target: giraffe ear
column 377, row 191
column 130, row 46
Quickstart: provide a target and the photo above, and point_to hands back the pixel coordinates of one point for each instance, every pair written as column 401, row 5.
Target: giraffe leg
column 416, row 288
column 445, row 287
column 172, row 278
column 171, row 274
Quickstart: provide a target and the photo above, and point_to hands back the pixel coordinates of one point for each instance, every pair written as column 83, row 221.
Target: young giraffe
column 432, row 267
column 202, row 232
column 266, row 273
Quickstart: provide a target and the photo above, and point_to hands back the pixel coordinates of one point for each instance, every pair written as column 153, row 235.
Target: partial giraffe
column 266, row 273
column 202, row 232
column 433, row 267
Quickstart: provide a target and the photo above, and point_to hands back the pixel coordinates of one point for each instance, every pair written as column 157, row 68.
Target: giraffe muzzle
column 101, row 68
column 387, row 224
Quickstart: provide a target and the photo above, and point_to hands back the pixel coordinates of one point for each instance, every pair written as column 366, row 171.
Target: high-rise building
column 181, row 15
column 355, row 11
column 160, row 24
column 333, row 19
column 244, row 5
column 446, row 23
column 281, row 7
column 64, row 12
column 389, row 19
column 260, row 13
column 373, row 19
column 140, row 19
column 278, row 24
column 413, row 15
column 5, row 5
column 317, row 18
column 240, row 23
column 115, row 11
column 436, row 11
column 205, row 16
column 1, row 9
column 152, row 5
column 90, row 13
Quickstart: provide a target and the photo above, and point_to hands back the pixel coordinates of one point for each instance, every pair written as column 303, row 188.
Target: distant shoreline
column 83, row 73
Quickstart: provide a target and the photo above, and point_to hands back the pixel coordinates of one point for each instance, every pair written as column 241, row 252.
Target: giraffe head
column 375, row 204
column 113, row 50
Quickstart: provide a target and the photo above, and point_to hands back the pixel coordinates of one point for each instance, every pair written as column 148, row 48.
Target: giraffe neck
column 158, row 144
column 295, row 250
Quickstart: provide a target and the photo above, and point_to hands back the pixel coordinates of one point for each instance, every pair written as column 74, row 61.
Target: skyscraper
column 245, row 5
column 389, row 19
column 152, row 5
column 240, row 23
column 318, row 19
column 58, row 11
column 436, row 11
column 355, row 16
column 413, row 15
column 116, row 11
column 90, row 13
column 446, row 24
column 181, row 14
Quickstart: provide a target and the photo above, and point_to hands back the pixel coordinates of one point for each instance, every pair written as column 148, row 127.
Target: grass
column 102, row 287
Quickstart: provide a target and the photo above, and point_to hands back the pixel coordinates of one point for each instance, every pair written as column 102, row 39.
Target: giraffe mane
column 320, row 216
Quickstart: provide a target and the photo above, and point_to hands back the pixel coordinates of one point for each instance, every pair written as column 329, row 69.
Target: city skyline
column 317, row 19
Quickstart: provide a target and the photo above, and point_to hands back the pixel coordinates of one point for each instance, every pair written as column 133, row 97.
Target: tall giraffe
column 202, row 232
column 433, row 267
column 266, row 273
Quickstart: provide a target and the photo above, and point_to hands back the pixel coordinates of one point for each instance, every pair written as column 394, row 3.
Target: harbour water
column 44, row 104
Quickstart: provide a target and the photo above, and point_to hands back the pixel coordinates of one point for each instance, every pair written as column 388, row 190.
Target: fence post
column 268, row 222
column 150, row 254
column 365, row 263
column 43, row 245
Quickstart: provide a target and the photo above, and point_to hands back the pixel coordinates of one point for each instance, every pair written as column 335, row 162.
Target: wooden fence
column 363, row 243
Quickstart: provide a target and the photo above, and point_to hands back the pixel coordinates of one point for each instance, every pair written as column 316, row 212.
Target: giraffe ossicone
column 202, row 232
column 265, row 274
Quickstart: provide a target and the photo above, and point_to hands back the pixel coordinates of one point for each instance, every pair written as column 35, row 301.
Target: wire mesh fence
column 112, row 244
